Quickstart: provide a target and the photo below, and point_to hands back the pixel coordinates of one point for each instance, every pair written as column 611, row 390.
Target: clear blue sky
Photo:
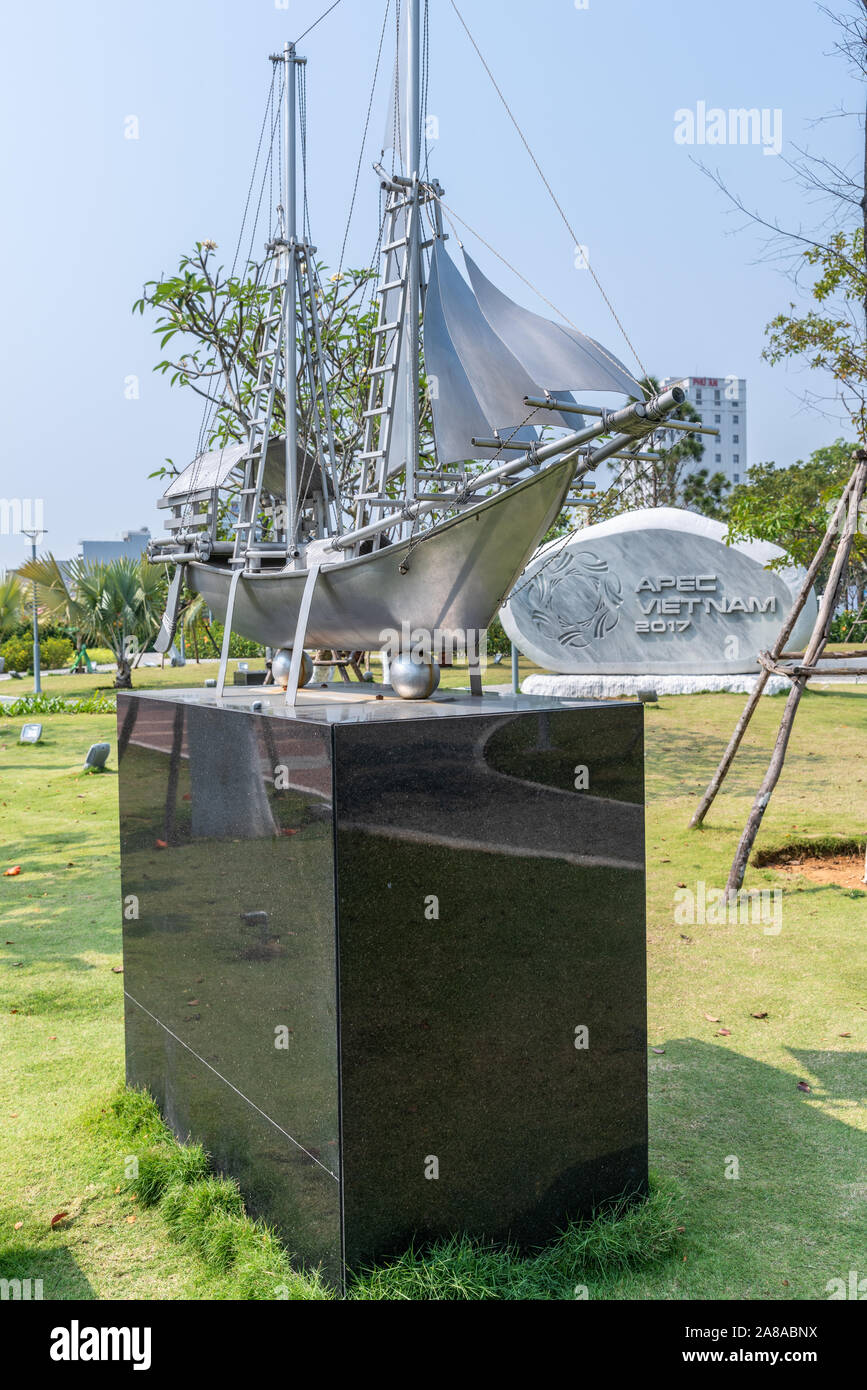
column 90, row 215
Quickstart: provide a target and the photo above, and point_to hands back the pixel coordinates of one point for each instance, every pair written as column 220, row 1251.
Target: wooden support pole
column 775, row 653
column 814, row 650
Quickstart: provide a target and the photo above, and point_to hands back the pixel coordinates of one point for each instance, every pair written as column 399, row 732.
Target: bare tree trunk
column 814, row 651
column 211, row 638
column 123, row 679
column 772, row 777
column 864, row 205
column 776, row 651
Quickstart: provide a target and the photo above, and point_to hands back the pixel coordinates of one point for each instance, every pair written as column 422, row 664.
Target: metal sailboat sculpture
column 420, row 546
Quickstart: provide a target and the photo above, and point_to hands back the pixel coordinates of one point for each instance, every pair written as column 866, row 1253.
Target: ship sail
column 476, row 385
column 484, row 354
column 556, row 356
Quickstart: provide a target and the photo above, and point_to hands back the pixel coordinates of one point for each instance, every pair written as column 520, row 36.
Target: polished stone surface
column 654, row 592
column 357, row 979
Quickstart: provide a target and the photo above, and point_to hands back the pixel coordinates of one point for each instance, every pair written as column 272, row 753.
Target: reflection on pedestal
column 388, row 964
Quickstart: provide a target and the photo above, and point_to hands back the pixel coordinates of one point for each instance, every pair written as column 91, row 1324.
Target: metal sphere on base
column 281, row 663
column 414, row 680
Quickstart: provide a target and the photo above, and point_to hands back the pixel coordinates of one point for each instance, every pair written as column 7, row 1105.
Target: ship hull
column 457, row 576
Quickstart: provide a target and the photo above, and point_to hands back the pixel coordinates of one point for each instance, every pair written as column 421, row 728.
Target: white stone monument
column 652, row 597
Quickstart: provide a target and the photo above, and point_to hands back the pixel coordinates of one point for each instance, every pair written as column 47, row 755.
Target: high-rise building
column 721, row 401
column 131, row 546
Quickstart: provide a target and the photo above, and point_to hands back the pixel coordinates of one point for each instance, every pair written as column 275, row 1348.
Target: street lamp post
column 34, row 537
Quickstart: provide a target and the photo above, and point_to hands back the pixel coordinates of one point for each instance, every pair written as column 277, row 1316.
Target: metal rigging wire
column 364, row 136
column 425, row 84
column 324, row 15
column 569, row 228
column 642, row 473
column 302, row 111
column 268, row 108
column 212, row 405
column 397, row 124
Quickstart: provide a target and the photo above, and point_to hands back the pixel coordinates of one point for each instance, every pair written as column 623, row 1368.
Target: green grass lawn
column 792, row 1220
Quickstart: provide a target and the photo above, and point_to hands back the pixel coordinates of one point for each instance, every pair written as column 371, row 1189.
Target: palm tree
column 116, row 605
column 56, row 587
column 121, row 604
column 11, row 600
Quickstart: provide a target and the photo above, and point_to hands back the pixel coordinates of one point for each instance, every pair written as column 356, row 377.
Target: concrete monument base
column 599, row 687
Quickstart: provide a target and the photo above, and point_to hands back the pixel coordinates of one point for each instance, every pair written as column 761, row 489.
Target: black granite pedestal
column 386, row 961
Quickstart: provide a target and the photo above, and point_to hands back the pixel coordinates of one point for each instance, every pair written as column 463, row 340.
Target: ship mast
column 413, row 297
column 290, row 306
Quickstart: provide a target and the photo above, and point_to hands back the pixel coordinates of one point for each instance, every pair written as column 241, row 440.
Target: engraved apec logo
column 575, row 599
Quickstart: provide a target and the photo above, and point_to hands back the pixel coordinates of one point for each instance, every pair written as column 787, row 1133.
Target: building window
column 736, row 458
column 698, row 397
column 717, row 419
column 717, row 458
column 736, row 439
column 736, row 419
column 716, row 397
column 737, row 477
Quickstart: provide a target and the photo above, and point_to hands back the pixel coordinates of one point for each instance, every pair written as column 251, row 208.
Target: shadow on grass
column 37, row 1272
column 839, row 1075
column 791, row 1208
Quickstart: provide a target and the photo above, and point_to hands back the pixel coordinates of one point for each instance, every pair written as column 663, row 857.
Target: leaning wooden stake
column 776, row 652
column 816, row 645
